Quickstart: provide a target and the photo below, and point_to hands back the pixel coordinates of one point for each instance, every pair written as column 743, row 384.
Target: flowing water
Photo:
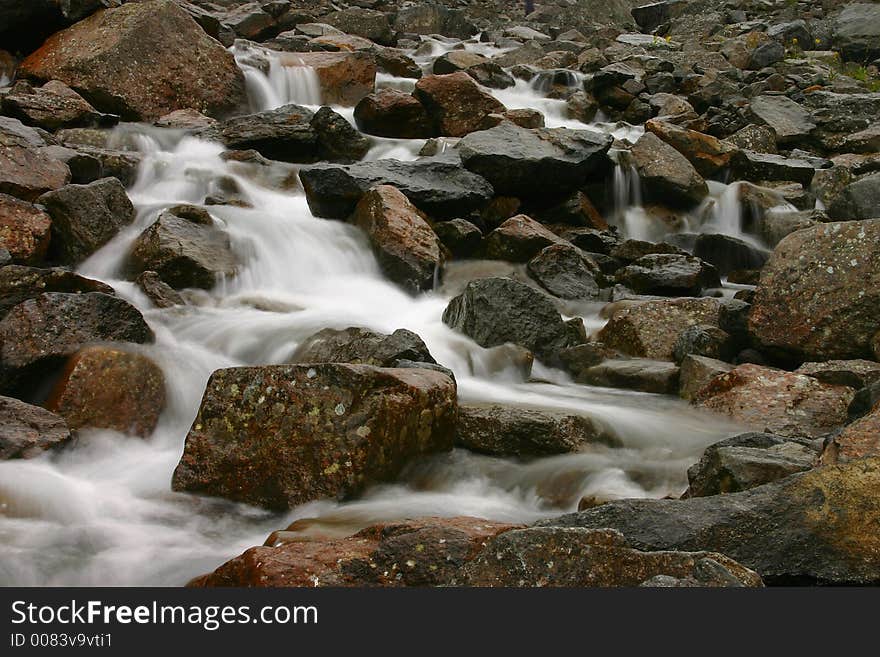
column 102, row 512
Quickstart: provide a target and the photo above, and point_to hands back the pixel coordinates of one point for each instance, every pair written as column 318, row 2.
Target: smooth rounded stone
column 665, row 174
column 455, row 103
column 490, row 74
column 858, row 200
column 26, row 171
column 51, row 107
column 418, row 552
column 668, row 274
column 728, row 254
column 650, row 329
column 565, row 272
column 525, row 432
column 24, row 230
column 790, row 122
column 640, row 374
column 86, row 217
column 184, row 252
column 780, row 402
column 19, row 283
column 696, row 372
column 395, row 114
column 760, row 167
column 540, row 162
column 857, row 31
column 853, row 373
column 575, row 557
column 858, row 440
column 703, row 340
column 344, row 77
column 279, row 436
column 28, row 431
column 462, row 238
column 706, row 153
column 816, row 527
column 519, row 239
column 439, row 188
column 39, row 334
column 141, row 61
column 405, row 245
column 107, row 388
column 362, row 346
column 493, row 311
column 746, row 461
column 366, row 23
column 818, row 294
column 158, row 291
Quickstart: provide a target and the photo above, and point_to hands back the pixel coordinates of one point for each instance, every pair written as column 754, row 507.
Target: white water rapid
column 102, row 512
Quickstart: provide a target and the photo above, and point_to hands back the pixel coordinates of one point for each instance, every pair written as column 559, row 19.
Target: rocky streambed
column 439, row 294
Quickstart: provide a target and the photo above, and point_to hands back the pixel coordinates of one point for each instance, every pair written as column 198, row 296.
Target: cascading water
column 103, row 513
column 276, row 79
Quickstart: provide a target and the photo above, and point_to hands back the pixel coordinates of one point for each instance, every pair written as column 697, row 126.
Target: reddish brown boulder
column 107, row 388
column 519, row 239
column 24, row 230
column 279, row 436
column 407, row 248
column 422, row 552
column 858, row 440
column 27, row 431
column 776, row 401
column 456, row 103
column 25, row 170
column 819, row 293
column 51, row 107
column 345, row 77
column 708, row 154
column 141, row 61
column 393, row 113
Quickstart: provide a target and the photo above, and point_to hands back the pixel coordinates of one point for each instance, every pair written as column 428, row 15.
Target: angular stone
column 665, row 174
column 776, row 401
column 158, row 291
column 26, row 171
column 24, row 230
column 345, row 77
column 696, row 373
column 19, row 283
column 393, row 113
column 706, row 153
column 519, row 239
column 279, row 436
column 455, row 103
column 565, row 272
column 27, row 431
column 858, row 200
column 406, row 247
column 361, row 346
column 669, row 274
column 86, row 217
column 107, row 388
column 640, row 374
column 790, row 122
column 141, row 61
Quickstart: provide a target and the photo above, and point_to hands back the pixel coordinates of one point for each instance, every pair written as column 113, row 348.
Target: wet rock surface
column 27, row 431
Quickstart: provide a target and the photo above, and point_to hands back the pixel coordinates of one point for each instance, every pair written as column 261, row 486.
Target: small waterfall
column 276, row 79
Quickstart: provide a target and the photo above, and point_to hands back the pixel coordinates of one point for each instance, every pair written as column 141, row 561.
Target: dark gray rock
column 857, row 31
column 635, row 374
column 665, row 174
column 759, row 167
column 669, row 275
column 460, row 236
column 703, row 340
column 565, row 271
column 27, row 431
column 158, row 291
column 362, row 346
column 858, row 200
column 790, row 122
column 19, row 283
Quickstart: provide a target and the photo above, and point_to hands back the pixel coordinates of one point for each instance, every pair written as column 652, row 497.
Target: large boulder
column 856, row 441
column 858, row 200
column 524, row 432
column 565, row 272
column 857, row 31
column 86, row 217
column 780, row 402
column 185, row 248
column 665, row 174
column 24, row 230
column 789, row 121
column 708, row 154
column 493, row 311
column 456, row 103
column 19, row 283
column 27, row 431
column 141, row 61
column 420, row 552
column 279, row 436
column 108, row 388
column 439, row 188
column 393, row 113
column 362, row 346
column 576, row 557
column 538, row 162
column 51, row 107
column 38, row 335
column 345, row 77
column 26, row 170
column 367, row 23
column 819, row 293
column 818, row 527
column 651, row 329
column 407, row 249
column 746, row 461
